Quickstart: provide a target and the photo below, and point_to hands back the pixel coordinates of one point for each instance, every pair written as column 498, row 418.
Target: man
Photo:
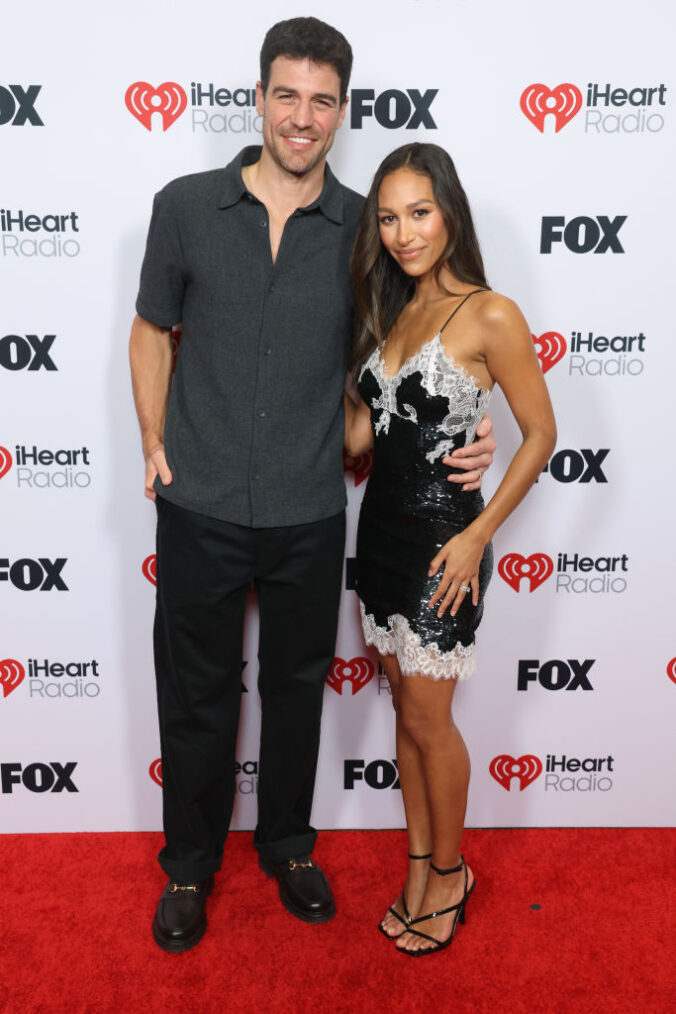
column 244, row 456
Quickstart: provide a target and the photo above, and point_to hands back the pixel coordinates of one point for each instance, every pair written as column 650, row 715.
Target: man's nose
column 302, row 114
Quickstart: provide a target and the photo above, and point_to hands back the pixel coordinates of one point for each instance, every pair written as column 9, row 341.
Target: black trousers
column 204, row 570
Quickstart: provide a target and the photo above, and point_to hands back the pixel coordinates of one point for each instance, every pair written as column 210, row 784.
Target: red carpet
column 76, row 913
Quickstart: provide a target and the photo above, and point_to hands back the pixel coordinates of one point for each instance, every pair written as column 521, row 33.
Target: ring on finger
column 479, row 473
column 465, row 587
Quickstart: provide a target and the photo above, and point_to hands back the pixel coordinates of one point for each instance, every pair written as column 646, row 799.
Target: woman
column 432, row 341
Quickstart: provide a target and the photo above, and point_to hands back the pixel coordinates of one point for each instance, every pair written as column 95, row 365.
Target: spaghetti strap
column 461, row 303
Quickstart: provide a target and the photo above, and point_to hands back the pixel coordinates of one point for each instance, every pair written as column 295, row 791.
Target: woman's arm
column 512, row 363
column 358, row 433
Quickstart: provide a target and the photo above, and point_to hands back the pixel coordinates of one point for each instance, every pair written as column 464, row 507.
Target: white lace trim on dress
column 441, row 377
column 414, row 657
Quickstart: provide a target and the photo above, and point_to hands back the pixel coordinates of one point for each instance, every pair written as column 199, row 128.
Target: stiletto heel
column 407, row 919
column 459, row 910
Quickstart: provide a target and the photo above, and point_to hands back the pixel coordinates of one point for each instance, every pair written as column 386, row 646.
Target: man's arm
column 475, row 459
column 150, row 358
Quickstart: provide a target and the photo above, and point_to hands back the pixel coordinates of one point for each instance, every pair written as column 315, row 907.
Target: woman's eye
column 386, row 219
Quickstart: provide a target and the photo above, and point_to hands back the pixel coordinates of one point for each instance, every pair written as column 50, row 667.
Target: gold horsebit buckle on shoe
column 187, row 887
column 297, row 864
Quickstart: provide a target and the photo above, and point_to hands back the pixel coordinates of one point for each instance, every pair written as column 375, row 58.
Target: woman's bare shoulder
column 498, row 312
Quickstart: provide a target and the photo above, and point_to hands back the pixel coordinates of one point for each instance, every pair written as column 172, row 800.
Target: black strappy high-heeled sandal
column 459, row 909
column 407, row 918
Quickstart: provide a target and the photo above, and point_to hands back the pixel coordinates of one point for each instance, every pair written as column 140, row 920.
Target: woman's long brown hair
column 381, row 288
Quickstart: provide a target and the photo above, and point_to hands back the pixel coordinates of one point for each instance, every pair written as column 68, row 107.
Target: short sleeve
column 160, row 297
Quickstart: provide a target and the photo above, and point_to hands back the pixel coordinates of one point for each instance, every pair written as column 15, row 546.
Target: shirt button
column 268, row 352
column 271, row 288
column 261, row 413
column 263, row 223
column 257, row 475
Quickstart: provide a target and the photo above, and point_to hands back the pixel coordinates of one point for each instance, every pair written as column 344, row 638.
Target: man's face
column 301, row 112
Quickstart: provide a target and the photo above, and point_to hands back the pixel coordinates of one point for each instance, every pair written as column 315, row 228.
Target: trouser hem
column 186, row 872
column 286, row 848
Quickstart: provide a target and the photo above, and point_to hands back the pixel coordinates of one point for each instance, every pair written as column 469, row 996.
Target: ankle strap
column 453, row 869
column 427, row 856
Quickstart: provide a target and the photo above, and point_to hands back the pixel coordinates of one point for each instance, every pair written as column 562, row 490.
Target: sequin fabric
column 410, row 510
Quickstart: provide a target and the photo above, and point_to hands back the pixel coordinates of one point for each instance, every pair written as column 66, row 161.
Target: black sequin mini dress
column 410, row 510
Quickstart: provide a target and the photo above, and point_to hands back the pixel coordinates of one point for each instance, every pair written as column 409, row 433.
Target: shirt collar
column 329, row 202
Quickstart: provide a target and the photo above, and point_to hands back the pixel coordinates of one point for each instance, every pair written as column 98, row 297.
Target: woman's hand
column 460, row 557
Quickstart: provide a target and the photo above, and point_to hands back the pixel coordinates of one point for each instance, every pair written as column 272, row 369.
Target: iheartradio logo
column 536, row 568
column 671, row 669
column 168, row 99
column 357, row 671
column 155, row 771
column 550, row 348
column 149, row 568
column 5, row 461
column 562, row 102
column 360, row 466
column 526, row 769
column 11, row 674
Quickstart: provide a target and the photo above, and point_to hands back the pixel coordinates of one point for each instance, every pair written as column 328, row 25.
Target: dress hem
column 415, row 658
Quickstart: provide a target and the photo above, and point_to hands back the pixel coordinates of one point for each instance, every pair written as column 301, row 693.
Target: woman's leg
column 418, row 823
column 425, row 715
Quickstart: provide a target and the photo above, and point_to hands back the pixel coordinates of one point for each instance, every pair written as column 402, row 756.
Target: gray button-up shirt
column 254, row 428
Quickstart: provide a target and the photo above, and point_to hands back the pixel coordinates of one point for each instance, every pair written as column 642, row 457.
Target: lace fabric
column 441, row 377
column 446, row 403
column 415, row 658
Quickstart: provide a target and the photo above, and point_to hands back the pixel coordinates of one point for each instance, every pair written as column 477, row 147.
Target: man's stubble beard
column 288, row 166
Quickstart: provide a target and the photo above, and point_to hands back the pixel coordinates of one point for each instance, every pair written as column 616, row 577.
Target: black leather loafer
column 180, row 918
column 303, row 889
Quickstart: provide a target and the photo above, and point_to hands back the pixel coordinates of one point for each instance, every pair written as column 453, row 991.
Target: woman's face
column 412, row 227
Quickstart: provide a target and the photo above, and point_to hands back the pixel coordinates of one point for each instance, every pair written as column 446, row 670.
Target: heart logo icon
column 550, row 347
column 5, row 461
column 505, row 767
column 357, row 671
column 149, row 568
column 671, row 670
column 360, row 465
column 11, row 674
column 536, row 568
column 155, row 770
column 563, row 102
column 168, row 99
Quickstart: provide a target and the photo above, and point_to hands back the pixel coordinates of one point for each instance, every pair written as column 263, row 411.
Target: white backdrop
column 592, row 645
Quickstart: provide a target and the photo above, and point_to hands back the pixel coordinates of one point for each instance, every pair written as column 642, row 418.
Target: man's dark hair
column 307, row 38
